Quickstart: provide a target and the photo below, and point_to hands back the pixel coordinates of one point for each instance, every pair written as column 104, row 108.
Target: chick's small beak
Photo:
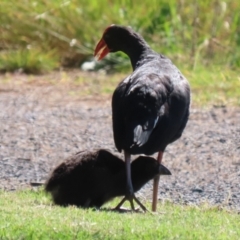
column 163, row 170
column 101, row 50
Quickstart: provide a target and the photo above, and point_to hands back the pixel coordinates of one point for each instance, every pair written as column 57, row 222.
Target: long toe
column 118, row 207
column 131, row 200
column 140, row 204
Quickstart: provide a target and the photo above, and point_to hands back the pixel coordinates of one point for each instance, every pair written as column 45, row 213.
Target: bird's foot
column 130, row 198
column 126, row 210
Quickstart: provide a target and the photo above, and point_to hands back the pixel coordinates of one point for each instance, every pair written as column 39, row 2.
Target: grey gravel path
column 42, row 125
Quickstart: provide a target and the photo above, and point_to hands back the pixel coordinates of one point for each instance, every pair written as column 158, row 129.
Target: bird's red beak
column 101, row 50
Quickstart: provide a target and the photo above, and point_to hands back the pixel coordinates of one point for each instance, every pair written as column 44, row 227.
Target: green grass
column 27, row 60
column 201, row 37
column 210, row 87
column 30, row 215
column 216, row 86
column 192, row 32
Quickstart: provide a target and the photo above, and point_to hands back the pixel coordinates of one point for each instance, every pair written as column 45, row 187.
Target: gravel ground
column 41, row 125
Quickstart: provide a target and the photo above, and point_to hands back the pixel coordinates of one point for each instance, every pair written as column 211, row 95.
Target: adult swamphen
column 92, row 178
column 150, row 107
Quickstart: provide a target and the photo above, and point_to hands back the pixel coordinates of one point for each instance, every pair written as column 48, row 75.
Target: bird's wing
column 118, row 113
column 138, row 104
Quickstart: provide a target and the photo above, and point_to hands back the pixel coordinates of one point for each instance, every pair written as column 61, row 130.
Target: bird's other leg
column 130, row 196
column 130, row 191
column 155, row 185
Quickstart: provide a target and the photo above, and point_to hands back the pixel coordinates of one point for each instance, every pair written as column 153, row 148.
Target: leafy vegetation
column 27, row 60
column 191, row 32
column 30, row 215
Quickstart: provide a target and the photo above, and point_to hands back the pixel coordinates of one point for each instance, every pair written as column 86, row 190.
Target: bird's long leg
column 130, row 196
column 155, row 185
column 130, row 191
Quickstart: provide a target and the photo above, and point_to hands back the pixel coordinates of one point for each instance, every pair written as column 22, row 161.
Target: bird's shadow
column 121, row 210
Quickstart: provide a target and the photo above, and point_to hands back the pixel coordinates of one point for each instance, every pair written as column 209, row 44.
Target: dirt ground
column 41, row 124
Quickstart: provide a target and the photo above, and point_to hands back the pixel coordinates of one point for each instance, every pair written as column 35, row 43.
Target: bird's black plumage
column 150, row 108
column 90, row 179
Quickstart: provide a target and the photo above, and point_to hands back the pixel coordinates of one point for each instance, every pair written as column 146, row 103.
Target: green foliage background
column 42, row 35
